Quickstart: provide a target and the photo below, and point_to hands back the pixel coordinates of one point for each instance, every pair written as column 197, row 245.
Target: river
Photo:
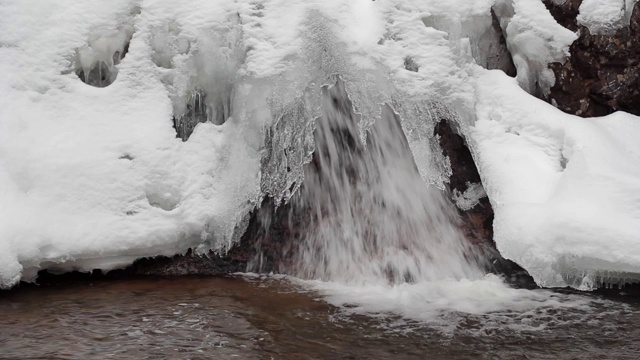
column 261, row 317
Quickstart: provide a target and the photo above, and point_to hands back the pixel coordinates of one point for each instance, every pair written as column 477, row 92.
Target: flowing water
column 250, row 317
column 372, row 217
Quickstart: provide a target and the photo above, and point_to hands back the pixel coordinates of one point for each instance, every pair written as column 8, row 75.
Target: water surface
column 271, row 318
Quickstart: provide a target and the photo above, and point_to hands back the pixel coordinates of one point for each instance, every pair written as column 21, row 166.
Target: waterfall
column 372, row 217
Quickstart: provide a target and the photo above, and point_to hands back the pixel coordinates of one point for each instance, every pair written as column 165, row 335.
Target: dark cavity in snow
column 410, row 65
column 196, row 113
column 96, row 62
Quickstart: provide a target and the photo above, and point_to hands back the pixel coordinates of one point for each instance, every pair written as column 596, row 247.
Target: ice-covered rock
column 94, row 177
column 604, row 17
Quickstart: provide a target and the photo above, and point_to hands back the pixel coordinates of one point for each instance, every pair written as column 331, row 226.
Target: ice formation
column 94, row 176
column 96, row 62
column 470, row 197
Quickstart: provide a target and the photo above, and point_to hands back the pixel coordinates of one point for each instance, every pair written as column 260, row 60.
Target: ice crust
column 94, row 177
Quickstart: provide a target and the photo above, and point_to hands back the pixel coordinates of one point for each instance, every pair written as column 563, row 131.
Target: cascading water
column 372, row 217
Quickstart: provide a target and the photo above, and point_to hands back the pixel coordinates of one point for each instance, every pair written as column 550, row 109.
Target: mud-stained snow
column 92, row 174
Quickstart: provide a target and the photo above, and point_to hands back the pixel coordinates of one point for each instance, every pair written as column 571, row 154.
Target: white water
column 373, row 218
column 381, row 241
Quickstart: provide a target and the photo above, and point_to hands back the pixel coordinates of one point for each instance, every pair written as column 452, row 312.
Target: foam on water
column 451, row 308
column 445, row 303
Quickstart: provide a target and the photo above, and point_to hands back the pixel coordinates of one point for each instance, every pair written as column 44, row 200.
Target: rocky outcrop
column 603, row 73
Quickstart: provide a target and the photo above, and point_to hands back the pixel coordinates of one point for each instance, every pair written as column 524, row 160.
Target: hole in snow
column 410, row 65
column 201, row 82
column 196, row 112
column 563, row 161
column 96, row 62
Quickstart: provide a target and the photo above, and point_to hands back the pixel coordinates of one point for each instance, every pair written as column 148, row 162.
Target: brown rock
column 476, row 223
column 603, row 73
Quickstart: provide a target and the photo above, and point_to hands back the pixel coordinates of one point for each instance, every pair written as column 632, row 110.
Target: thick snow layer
column 565, row 190
column 94, row 177
column 605, row 16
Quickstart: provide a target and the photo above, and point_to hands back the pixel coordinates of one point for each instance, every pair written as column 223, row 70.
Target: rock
column 498, row 56
column 603, row 73
column 566, row 14
column 476, row 223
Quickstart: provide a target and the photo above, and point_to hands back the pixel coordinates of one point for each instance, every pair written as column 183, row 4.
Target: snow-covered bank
column 565, row 190
column 94, row 176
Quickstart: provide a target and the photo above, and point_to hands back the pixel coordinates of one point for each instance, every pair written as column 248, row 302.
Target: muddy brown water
column 244, row 318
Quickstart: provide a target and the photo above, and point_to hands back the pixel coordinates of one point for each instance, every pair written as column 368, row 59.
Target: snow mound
column 565, row 190
column 94, row 176
column 534, row 40
column 604, row 17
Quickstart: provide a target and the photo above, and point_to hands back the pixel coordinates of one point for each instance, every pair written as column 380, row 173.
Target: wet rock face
column 603, row 73
column 499, row 56
column 476, row 223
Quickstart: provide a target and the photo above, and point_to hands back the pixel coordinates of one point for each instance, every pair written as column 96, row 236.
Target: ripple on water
column 253, row 317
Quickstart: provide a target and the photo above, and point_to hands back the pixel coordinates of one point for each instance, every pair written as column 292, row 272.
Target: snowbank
column 565, row 190
column 93, row 177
